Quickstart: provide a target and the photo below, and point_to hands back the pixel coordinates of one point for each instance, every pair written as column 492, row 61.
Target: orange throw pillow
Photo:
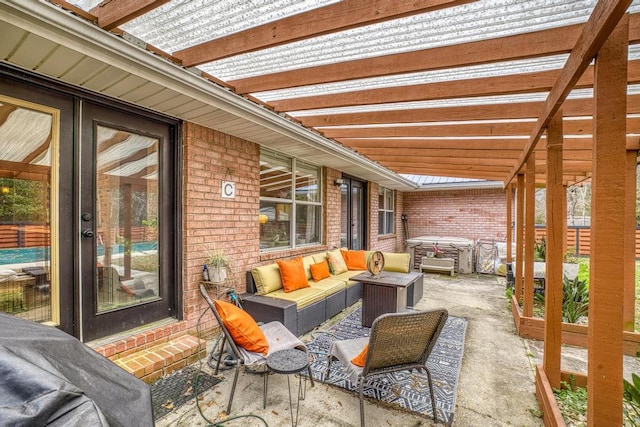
column 360, row 359
column 319, row 271
column 355, row 260
column 243, row 329
column 293, row 274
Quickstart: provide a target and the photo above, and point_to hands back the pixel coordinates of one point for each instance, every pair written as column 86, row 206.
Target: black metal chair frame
column 239, row 358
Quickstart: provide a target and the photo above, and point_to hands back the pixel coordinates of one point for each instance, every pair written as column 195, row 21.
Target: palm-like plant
column 631, row 395
column 575, row 299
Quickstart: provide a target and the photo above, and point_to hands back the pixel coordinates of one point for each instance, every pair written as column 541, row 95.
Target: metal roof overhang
column 41, row 37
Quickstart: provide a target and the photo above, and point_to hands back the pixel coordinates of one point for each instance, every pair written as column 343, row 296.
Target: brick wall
column 209, row 221
column 333, row 208
column 470, row 214
column 231, row 225
column 390, row 243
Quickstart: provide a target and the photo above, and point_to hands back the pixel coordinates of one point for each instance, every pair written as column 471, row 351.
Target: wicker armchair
column 278, row 337
column 398, row 342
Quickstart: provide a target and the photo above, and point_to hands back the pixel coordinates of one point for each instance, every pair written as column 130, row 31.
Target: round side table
column 289, row 362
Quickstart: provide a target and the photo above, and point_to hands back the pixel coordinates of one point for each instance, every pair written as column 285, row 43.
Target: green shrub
column 572, row 401
column 631, row 404
column 540, row 250
column 575, row 299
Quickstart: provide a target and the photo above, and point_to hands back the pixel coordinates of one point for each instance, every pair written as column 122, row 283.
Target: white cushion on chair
column 346, row 350
column 278, row 337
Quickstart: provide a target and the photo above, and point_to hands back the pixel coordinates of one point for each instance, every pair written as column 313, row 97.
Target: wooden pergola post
column 519, row 236
column 606, row 284
column 529, row 235
column 629, row 261
column 509, row 237
column 564, row 220
column 556, row 236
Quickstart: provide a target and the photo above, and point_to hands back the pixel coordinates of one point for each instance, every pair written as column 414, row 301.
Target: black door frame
column 15, row 88
column 348, row 182
column 22, row 84
column 96, row 325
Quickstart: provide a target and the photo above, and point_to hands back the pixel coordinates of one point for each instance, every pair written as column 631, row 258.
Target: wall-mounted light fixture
column 339, row 181
column 263, row 219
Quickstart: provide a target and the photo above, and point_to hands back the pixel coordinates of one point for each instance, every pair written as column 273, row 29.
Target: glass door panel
column 29, row 142
column 127, row 219
column 353, row 209
column 345, row 221
column 357, row 212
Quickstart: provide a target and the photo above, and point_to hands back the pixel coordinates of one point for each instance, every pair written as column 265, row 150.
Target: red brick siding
column 386, row 243
column 209, row 221
column 470, row 214
column 332, row 207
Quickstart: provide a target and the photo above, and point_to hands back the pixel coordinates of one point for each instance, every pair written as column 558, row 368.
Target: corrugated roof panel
column 428, row 179
column 454, row 102
column 179, row 24
column 469, row 22
column 496, row 69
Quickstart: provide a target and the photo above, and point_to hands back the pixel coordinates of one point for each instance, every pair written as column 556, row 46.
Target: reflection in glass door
column 29, row 141
column 127, row 219
column 353, row 220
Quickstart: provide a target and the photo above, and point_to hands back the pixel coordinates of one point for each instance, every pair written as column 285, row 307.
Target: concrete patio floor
column 496, row 385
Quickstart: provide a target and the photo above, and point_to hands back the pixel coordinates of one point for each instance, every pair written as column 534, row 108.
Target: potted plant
column 218, row 266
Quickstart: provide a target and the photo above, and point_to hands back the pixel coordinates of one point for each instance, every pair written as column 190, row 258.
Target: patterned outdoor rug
column 404, row 389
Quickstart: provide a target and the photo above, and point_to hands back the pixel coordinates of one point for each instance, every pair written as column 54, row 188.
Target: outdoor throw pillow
column 320, row 271
column 243, row 329
column 336, row 262
column 293, row 274
column 360, row 359
column 355, row 260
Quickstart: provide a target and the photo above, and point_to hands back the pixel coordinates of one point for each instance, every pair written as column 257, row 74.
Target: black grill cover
column 48, row 377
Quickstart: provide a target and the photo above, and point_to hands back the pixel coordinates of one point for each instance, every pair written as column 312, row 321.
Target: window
column 385, row 211
column 290, row 203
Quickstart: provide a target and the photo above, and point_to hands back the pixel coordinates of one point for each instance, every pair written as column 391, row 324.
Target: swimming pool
column 41, row 253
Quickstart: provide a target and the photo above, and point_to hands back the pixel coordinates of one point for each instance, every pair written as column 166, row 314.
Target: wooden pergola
column 484, row 108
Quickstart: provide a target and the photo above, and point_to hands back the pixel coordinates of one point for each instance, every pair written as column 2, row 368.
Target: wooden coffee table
column 384, row 293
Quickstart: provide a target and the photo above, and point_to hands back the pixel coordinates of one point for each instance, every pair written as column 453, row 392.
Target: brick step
column 153, row 363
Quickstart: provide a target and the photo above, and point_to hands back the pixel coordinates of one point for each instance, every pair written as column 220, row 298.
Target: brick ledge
column 153, row 363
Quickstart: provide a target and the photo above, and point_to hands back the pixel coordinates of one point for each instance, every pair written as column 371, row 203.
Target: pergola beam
column 633, row 143
column 113, row 13
column 335, row 17
column 521, row 46
column 454, row 173
column 541, row 81
column 519, row 110
column 482, row 129
column 601, row 23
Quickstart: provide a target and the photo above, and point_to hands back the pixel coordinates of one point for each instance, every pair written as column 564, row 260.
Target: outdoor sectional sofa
column 303, row 309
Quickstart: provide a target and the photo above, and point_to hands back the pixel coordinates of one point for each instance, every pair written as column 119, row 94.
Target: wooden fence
column 579, row 237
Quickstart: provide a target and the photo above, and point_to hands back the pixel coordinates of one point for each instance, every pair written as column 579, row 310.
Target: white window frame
column 382, row 191
column 294, row 203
